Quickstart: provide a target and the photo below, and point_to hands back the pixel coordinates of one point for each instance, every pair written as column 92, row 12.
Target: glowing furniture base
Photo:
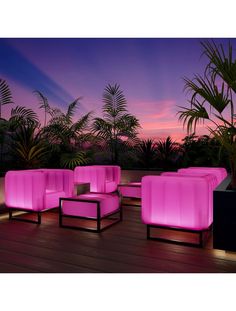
column 91, row 206
column 175, row 203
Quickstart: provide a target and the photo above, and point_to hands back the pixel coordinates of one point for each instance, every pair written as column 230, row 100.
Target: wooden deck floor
column 26, row 247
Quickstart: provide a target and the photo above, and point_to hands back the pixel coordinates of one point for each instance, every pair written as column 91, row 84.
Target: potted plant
column 212, row 101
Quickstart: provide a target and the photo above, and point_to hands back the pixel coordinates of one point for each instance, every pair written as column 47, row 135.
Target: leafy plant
column 27, row 147
column 212, row 99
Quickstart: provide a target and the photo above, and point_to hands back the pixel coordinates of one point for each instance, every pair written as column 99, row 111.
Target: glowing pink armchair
column 102, row 178
column 219, row 172
column 210, row 178
column 37, row 190
column 176, row 203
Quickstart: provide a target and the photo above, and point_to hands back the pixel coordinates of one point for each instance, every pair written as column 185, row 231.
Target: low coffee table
column 91, row 206
column 131, row 190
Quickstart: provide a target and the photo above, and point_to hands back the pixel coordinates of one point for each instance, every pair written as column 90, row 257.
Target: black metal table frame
column 98, row 219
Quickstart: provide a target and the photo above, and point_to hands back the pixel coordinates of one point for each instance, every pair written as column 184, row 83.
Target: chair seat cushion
column 85, row 205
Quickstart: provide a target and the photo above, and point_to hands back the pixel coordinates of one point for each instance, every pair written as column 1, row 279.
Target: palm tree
column 5, row 95
column 65, row 136
column 168, row 152
column 117, row 127
column 20, row 117
column 212, row 99
column 146, row 152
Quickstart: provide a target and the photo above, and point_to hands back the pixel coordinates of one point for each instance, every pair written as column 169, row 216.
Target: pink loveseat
column 102, row 178
column 37, row 190
column 177, row 204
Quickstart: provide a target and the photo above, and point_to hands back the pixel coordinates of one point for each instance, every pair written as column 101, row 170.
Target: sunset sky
column 149, row 71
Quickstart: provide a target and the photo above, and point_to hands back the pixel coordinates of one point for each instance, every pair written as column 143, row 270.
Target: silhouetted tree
column 168, row 152
column 118, row 128
column 146, row 153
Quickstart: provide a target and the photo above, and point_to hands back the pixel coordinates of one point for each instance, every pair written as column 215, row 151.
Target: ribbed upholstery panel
column 219, row 172
column 91, row 174
column 25, row 189
column 176, row 202
column 211, row 180
column 60, row 180
column 113, row 172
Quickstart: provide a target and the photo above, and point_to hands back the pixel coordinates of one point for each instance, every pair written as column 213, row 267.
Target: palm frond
column 5, row 93
column 71, row 160
column 23, row 116
column 102, row 128
column 221, row 62
column 205, row 89
column 192, row 116
column 71, row 110
column 43, row 101
column 82, row 124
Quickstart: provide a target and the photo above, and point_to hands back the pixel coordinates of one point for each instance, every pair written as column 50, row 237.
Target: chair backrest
column 91, row 174
column 210, row 178
column 176, row 202
column 25, row 190
column 219, row 172
column 102, row 178
column 113, row 172
column 59, row 180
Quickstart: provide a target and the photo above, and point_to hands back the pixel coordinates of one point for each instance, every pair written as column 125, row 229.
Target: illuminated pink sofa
column 37, row 190
column 176, row 203
column 102, row 178
column 219, row 172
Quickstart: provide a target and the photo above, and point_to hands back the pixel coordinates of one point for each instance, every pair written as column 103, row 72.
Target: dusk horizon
column 149, row 71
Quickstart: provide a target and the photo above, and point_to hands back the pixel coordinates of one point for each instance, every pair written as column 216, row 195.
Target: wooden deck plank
column 122, row 248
